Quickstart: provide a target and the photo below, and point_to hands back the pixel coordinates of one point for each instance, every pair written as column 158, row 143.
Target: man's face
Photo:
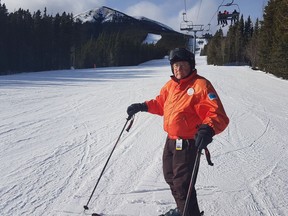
column 181, row 69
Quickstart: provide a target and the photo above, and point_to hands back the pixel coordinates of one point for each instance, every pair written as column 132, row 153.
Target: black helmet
column 182, row 54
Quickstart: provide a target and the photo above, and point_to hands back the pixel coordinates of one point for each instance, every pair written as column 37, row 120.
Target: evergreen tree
column 247, row 36
column 4, row 38
column 230, row 45
column 39, row 41
column 239, row 41
column 266, row 36
column 279, row 52
column 273, row 43
column 19, row 40
column 252, row 48
column 215, row 55
column 264, row 45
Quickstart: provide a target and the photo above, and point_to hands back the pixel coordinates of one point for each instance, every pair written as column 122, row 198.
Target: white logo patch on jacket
column 190, row 91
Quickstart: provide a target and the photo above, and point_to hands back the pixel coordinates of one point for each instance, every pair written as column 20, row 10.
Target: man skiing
column 192, row 114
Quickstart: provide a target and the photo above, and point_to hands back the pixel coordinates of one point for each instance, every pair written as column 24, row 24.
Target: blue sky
column 168, row 12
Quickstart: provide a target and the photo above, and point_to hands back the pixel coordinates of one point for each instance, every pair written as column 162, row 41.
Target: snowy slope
column 57, row 129
column 105, row 13
column 152, row 38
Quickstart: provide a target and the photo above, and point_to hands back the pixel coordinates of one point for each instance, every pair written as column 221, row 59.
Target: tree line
column 38, row 41
column 34, row 42
column 263, row 45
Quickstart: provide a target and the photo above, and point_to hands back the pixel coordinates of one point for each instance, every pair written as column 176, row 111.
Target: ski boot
column 172, row 212
column 176, row 212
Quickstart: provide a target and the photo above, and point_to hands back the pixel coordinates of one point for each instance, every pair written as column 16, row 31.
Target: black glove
column 204, row 136
column 135, row 108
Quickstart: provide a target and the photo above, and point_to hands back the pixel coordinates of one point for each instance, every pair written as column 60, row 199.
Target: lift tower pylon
column 190, row 27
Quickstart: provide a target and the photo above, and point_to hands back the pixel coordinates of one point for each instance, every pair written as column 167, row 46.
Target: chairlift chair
column 233, row 15
column 208, row 33
column 186, row 25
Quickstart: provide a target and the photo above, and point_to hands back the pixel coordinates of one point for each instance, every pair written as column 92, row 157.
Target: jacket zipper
column 172, row 111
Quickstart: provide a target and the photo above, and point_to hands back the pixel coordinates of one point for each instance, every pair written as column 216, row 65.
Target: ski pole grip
column 208, row 157
column 129, row 117
column 131, row 122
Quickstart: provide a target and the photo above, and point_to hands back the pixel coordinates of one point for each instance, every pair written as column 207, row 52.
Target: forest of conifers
column 263, row 45
column 38, row 41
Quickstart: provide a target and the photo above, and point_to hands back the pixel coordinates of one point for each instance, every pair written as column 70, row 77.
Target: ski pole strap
column 131, row 118
column 208, row 156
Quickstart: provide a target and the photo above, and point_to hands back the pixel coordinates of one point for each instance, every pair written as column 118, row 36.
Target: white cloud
column 199, row 13
column 203, row 13
column 53, row 6
column 167, row 12
column 146, row 9
column 161, row 13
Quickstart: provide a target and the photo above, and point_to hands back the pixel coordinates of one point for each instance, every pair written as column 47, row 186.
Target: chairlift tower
column 190, row 27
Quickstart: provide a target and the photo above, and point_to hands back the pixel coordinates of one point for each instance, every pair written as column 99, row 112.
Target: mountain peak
column 101, row 14
column 105, row 14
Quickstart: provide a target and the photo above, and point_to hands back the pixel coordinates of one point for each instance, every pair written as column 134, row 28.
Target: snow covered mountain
column 145, row 19
column 105, row 15
column 102, row 14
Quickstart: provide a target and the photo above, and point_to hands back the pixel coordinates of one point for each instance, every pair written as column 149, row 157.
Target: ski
column 103, row 214
column 201, row 214
column 96, row 214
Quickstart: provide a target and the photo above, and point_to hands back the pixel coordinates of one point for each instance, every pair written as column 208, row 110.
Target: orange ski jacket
column 186, row 104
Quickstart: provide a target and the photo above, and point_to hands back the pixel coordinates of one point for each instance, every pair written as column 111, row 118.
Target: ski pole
column 192, row 181
column 128, row 119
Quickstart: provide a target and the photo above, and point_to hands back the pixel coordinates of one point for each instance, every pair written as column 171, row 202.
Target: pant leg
column 177, row 168
column 168, row 164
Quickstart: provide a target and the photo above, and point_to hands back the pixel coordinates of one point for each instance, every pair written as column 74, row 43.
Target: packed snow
column 152, row 38
column 58, row 128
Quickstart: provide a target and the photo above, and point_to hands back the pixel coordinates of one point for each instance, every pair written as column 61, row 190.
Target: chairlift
column 206, row 33
column 232, row 15
column 184, row 17
column 186, row 25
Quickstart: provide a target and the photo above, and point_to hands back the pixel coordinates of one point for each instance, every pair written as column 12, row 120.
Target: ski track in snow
column 57, row 130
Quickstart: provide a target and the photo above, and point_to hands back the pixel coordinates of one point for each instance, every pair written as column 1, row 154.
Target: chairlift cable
column 199, row 11
column 216, row 12
column 185, row 7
